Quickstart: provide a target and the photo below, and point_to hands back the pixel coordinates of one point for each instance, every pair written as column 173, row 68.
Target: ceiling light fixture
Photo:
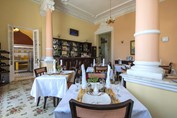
column 110, row 19
column 15, row 29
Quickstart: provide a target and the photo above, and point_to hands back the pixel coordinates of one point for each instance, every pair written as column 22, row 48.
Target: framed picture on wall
column 132, row 47
column 73, row 32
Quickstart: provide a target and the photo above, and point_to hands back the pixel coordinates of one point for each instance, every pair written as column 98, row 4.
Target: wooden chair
column 168, row 68
column 78, row 74
column 38, row 72
column 71, row 78
column 101, row 68
column 84, row 110
column 98, row 75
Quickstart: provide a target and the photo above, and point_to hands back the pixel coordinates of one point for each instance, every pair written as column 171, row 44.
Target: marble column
column 49, row 38
column 147, row 40
column 47, row 7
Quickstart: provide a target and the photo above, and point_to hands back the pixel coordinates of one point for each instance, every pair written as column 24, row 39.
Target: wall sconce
column 15, row 29
column 165, row 39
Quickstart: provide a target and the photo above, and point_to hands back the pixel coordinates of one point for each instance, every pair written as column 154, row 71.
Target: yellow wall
column 160, row 103
column 63, row 22
column 124, row 28
column 23, row 13
column 26, row 13
column 168, row 27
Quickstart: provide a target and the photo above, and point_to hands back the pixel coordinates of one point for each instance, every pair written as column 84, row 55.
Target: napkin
column 84, row 82
column 61, row 62
column 120, row 61
column 93, row 62
column 108, row 78
column 103, row 63
column 54, row 66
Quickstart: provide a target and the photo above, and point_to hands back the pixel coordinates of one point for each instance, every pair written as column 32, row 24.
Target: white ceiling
column 95, row 11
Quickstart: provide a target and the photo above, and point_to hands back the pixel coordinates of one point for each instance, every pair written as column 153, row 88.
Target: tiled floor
column 23, row 75
column 17, row 102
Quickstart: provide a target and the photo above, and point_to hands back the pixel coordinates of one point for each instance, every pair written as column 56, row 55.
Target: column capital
column 46, row 5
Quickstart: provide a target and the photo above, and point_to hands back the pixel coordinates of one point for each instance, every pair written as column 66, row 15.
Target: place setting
column 95, row 90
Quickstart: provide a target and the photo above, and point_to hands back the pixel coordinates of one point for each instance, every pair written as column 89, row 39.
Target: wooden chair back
column 101, row 69
column 40, row 71
column 84, row 110
column 98, row 75
column 167, row 68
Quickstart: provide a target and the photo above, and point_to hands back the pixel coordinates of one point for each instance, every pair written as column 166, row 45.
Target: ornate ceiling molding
column 67, row 7
column 45, row 5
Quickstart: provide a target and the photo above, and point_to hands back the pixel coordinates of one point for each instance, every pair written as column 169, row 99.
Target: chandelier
column 110, row 19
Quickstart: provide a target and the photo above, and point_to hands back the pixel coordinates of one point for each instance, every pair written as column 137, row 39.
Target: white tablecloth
column 63, row 109
column 90, row 69
column 49, row 85
column 118, row 67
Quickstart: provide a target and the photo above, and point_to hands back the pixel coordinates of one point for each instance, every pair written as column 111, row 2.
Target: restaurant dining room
column 89, row 59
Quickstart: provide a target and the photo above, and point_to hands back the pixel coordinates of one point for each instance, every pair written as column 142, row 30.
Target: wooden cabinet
column 72, row 53
column 4, row 67
column 75, row 62
column 67, row 48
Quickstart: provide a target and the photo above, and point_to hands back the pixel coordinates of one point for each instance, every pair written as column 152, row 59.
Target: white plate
column 93, row 99
column 66, row 72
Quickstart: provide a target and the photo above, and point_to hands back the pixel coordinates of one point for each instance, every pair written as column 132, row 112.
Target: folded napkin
column 61, row 62
column 54, row 66
column 103, row 63
column 108, row 77
column 84, row 82
column 93, row 62
column 120, row 61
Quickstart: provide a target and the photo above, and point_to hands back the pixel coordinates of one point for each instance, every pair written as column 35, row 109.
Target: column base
column 49, row 59
column 50, row 63
column 146, row 69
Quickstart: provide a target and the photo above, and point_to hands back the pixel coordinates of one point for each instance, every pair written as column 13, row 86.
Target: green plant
column 94, row 79
column 58, row 67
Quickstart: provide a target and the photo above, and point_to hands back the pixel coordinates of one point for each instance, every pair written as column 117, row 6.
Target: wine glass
column 77, row 83
column 102, row 83
column 117, row 88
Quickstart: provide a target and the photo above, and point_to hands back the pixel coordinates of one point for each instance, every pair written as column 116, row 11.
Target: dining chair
column 84, row 110
column 101, row 68
column 78, row 74
column 71, row 78
column 38, row 72
column 98, row 75
column 167, row 68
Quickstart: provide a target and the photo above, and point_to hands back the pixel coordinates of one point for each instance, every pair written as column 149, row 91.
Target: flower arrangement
column 59, row 67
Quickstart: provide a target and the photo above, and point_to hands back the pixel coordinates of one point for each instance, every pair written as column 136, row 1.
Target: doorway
column 23, row 48
column 23, row 53
column 104, row 45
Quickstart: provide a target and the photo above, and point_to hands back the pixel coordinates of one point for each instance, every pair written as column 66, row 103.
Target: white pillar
column 47, row 7
column 147, row 40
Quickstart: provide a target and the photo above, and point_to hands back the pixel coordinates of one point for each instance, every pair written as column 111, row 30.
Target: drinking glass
column 117, row 87
column 102, row 83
